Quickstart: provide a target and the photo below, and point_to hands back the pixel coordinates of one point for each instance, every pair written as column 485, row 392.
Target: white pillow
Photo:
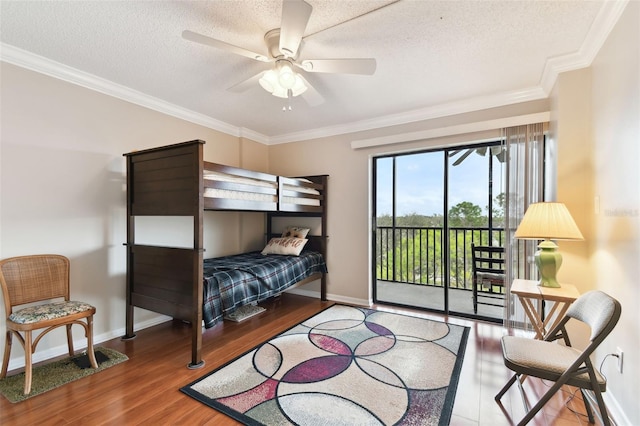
column 295, row 232
column 289, row 246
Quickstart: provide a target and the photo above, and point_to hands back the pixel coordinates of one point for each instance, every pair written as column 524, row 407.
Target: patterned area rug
column 49, row 376
column 343, row 366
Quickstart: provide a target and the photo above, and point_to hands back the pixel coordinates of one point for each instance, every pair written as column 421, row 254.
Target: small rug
column 343, row 366
column 244, row 312
column 57, row 373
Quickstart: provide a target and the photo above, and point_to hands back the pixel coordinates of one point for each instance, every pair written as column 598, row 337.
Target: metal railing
column 413, row 255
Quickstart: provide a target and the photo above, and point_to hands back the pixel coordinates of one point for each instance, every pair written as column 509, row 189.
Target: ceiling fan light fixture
column 283, row 82
column 286, row 76
column 299, row 87
column 269, row 81
column 281, row 92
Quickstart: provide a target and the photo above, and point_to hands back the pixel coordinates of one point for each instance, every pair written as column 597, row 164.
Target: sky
column 420, row 183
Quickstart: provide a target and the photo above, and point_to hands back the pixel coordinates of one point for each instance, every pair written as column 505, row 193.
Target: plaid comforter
column 233, row 281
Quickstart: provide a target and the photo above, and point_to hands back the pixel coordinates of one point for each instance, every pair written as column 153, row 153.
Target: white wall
column 615, row 247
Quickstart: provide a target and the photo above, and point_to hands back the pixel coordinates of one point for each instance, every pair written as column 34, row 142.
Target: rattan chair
column 31, row 280
column 563, row 364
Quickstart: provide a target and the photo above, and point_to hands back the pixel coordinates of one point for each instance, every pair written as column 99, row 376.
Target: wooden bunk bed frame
column 170, row 181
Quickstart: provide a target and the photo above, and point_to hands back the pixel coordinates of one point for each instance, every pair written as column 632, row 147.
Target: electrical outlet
column 619, row 354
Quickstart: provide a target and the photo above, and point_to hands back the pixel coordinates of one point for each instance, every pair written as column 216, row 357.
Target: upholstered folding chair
column 31, row 280
column 487, row 265
column 563, row 364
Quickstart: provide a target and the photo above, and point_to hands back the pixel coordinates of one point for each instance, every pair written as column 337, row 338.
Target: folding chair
column 563, row 364
column 30, row 279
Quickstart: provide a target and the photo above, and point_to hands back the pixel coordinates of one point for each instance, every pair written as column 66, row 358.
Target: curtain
column 525, row 184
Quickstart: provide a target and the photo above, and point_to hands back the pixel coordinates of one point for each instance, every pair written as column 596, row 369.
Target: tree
column 466, row 214
column 498, row 210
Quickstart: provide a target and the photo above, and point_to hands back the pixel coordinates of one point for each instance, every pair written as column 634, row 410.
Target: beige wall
column 596, row 120
column 62, row 177
column 571, row 125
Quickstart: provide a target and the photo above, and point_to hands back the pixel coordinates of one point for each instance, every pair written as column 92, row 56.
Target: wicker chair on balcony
column 488, row 276
column 32, row 280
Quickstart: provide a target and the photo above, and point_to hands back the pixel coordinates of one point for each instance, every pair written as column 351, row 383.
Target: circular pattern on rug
column 352, row 365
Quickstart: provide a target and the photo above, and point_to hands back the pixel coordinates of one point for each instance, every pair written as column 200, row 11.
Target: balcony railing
column 413, row 255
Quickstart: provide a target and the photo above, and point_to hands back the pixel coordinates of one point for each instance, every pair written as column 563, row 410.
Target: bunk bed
column 175, row 180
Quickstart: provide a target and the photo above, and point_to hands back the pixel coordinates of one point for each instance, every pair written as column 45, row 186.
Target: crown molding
column 601, row 27
column 24, row 59
column 253, row 135
column 436, row 111
column 500, row 123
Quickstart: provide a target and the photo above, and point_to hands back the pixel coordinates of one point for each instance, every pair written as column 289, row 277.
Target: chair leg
column 587, row 406
column 603, row 408
column 7, row 353
column 70, row 340
column 545, row 398
column 90, row 352
column 475, row 298
column 28, row 352
column 506, row 387
column 522, row 394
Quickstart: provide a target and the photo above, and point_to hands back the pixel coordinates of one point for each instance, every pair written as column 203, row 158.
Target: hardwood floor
column 144, row 389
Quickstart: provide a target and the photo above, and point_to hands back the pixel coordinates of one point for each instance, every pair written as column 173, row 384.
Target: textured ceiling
column 432, row 56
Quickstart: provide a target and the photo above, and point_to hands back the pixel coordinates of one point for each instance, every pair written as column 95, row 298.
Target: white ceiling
column 434, row 58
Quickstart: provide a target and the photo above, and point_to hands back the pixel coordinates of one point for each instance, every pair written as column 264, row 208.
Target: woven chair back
column 27, row 279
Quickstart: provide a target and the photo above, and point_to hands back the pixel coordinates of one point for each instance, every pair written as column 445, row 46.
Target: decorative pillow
column 290, row 246
column 295, row 232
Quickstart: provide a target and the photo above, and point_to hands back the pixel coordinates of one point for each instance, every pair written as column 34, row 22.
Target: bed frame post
column 323, row 281
column 167, row 181
column 198, row 267
column 129, row 334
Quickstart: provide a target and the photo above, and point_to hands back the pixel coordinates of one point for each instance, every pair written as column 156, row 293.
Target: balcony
column 411, row 268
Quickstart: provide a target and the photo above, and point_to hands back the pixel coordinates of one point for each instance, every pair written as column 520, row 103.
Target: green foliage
column 411, row 251
column 466, row 214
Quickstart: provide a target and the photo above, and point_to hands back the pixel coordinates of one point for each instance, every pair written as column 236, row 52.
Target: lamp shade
column 548, row 221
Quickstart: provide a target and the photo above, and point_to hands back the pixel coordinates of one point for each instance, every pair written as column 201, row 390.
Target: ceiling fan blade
column 311, row 95
column 365, row 66
column 295, row 15
column 247, row 84
column 463, row 157
column 199, row 38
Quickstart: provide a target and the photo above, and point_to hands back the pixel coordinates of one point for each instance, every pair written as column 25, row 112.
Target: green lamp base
column 548, row 259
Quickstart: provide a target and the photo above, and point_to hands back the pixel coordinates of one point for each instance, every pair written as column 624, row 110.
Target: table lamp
column 548, row 221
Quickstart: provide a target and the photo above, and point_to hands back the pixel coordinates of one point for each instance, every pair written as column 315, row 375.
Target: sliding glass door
column 409, row 219
column 429, row 207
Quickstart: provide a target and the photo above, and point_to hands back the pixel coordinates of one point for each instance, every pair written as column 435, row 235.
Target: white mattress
column 288, row 195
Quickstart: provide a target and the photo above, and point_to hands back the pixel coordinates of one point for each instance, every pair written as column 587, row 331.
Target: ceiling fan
column 284, row 45
column 498, row 151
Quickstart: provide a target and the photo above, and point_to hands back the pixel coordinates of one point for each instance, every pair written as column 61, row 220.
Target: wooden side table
column 561, row 298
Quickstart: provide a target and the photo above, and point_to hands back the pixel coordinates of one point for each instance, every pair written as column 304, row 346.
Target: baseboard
column 81, row 344
column 332, row 297
column 616, row 412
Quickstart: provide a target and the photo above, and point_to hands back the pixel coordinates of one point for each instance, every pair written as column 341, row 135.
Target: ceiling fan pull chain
column 287, row 107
